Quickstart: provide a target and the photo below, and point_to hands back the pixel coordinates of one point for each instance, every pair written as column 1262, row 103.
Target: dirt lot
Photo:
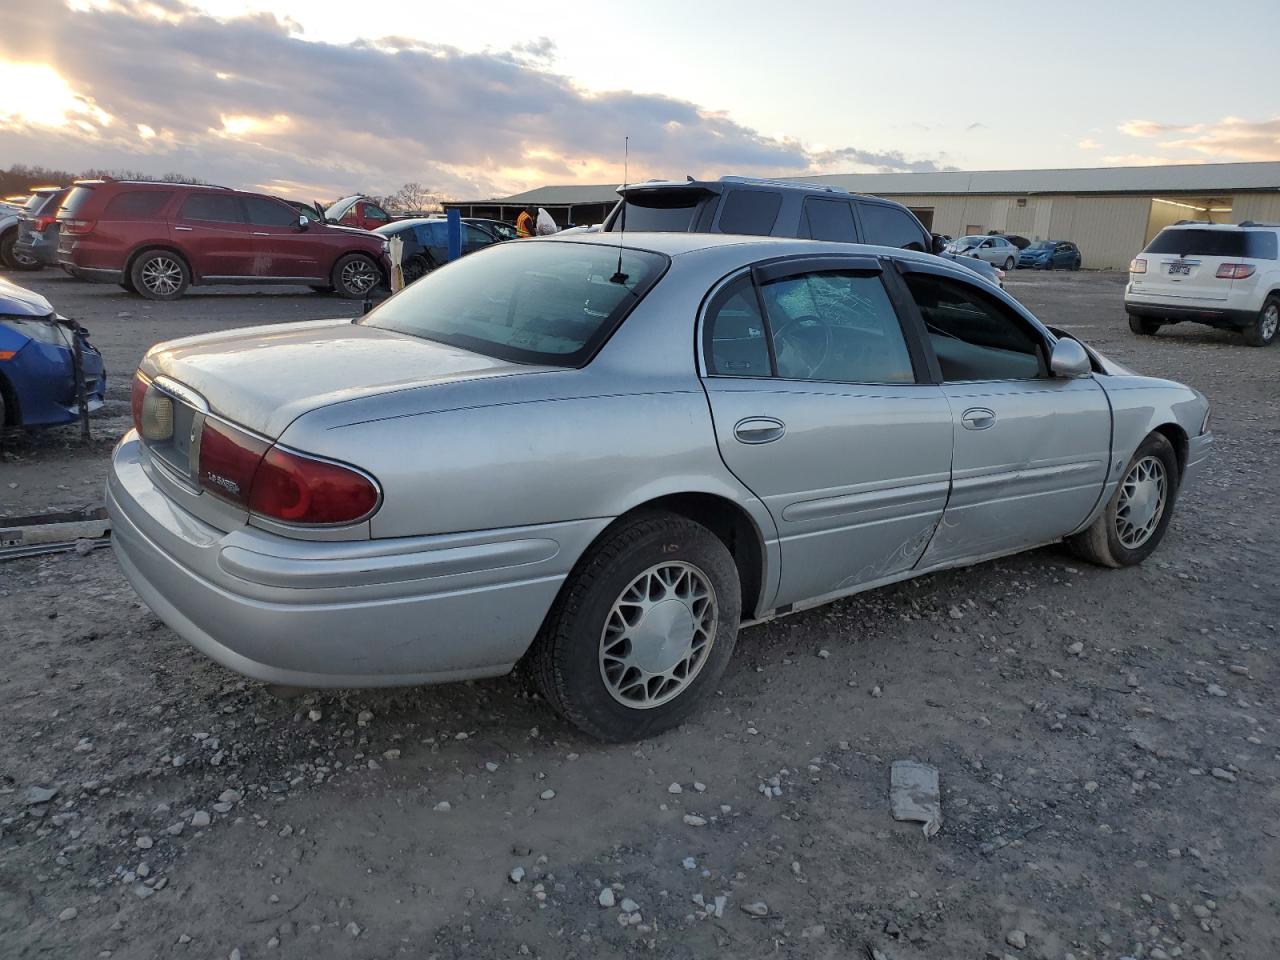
column 1107, row 742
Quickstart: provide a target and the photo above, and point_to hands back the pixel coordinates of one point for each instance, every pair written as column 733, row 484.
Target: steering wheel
column 805, row 341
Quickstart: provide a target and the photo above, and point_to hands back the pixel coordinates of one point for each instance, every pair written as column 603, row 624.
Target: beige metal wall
column 1108, row 229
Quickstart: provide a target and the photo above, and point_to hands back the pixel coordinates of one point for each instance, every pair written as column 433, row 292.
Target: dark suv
column 777, row 208
column 155, row 239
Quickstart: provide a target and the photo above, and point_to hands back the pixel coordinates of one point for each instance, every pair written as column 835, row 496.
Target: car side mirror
column 1069, row 360
column 939, row 244
column 303, row 222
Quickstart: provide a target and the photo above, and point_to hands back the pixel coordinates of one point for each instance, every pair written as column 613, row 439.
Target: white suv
column 1223, row 275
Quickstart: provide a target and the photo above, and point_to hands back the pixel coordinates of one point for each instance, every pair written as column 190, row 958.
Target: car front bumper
column 361, row 613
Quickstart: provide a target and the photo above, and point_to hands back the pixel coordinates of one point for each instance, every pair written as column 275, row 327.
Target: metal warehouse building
column 1110, row 212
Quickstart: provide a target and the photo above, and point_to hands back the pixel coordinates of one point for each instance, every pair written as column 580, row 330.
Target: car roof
column 753, row 248
column 752, row 183
column 1204, row 225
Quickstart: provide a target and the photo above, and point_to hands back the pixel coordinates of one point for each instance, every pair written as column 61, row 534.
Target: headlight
column 37, row 328
column 1204, row 427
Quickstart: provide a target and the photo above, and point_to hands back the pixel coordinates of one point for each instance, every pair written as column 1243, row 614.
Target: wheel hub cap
column 1270, row 321
column 658, row 635
column 1141, row 502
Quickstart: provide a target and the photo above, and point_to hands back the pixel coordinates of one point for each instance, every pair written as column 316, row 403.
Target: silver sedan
column 605, row 456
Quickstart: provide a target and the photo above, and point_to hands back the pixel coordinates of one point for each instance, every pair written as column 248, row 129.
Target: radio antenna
column 619, row 276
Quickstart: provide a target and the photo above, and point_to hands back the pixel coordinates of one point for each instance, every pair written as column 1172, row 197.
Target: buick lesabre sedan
column 604, row 455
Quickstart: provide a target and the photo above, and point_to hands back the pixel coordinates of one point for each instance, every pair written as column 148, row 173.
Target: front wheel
column 355, row 275
column 1135, row 518
column 642, row 630
column 415, row 268
column 1008, row 264
column 1262, row 332
column 160, row 275
column 1143, row 326
column 11, row 258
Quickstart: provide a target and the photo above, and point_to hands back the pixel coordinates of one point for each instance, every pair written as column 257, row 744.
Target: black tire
column 1143, row 326
column 566, row 658
column 1100, row 542
column 1075, row 264
column 159, row 275
column 355, row 275
column 127, row 284
column 415, row 268
column 1009, row 264
column 1262, row 332
column 11, row 259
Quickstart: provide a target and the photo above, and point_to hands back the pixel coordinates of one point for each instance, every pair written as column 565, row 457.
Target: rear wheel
column 1135, row 518
column 642, row 630
column 11, row 258
column 1008, row 264
column 1143, row 326
column 1262, row 332
column 1075, row 264
column 160, row 275
column 355, row 275
column 415, row 268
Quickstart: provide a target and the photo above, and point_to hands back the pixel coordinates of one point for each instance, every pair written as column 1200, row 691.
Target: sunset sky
column 482, row 99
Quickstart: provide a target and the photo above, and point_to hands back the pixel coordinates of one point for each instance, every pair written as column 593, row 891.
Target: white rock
column 144, row 843
column 442, row 807
column 200, row 818
column 1016, row 938
column 1076, row 649
column 606, row 897
column 629, row 906
column 757, row 909
column 1215, row 691
column 516, row 874
column 689, row 863
column 693, row 820
column 675, row 788
column 824, row 653
column 68, row 914
column 491, row 767
column 1225, row 775
column 353, row 928
column 314, row 716
column 547, row 794
column 700, row 787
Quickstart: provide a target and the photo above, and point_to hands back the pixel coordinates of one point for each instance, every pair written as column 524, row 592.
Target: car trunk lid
column 263, row 378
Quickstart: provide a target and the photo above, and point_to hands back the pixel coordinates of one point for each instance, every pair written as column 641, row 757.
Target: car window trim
column 1046, row 337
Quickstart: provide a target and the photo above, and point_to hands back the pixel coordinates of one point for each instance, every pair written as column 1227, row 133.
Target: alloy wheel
column 359, row 276
column 162, row 276
column 1270, row 321
column 658, row 635
column 1141, row 503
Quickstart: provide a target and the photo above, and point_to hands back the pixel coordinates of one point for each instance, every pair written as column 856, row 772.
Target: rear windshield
column 36, row 201
column 551, row 302
column 670, row 211
column 75, row 200
column 1254, row 244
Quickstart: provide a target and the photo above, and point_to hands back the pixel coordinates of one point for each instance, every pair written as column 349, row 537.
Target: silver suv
column 1224, row 275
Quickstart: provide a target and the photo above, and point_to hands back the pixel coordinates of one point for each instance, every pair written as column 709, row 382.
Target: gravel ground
column 1107, row 744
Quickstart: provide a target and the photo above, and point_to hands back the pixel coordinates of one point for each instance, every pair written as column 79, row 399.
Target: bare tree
column 416, row 198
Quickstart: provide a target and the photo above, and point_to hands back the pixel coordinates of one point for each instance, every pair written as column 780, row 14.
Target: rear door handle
column 978, row 418
column 759, row 430
column 257, row 234
column 186, row 229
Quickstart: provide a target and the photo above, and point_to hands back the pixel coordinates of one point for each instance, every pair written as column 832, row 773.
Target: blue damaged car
column 37, row 362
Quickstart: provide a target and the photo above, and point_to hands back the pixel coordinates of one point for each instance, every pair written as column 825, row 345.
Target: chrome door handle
column 978, row 418
column 257, row 234
column 186, row 229
column 759, row 430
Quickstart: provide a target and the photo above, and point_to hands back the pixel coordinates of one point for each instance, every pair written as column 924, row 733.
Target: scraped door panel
column 856, row 477
column 1030, row 463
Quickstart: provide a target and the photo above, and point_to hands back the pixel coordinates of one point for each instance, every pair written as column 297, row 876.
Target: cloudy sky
column 304, row 98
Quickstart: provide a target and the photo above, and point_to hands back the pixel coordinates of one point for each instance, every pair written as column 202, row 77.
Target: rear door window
column 751, row 212
column 736, row 344
column 837, row 326
column 212, row 207
column 136, row 204
column 827, row 220
column 888, row 226
column 1184, row 242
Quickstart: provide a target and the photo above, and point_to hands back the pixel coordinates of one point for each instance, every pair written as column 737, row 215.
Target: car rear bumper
column 338, row 613
column 94, row 274
column 1213, row 313
column 34, row 245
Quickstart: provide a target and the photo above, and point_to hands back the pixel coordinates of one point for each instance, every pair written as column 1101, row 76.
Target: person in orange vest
column 525, row 223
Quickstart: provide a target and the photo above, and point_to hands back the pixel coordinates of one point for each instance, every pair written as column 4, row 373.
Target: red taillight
column 1137, row 265
column 1235, row 271
column 138, row 393
column 293, row 488
column 78, row 226
column 229, row 460
column 39, row 223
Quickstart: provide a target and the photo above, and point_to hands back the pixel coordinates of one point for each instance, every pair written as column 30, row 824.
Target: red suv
column 157, row 238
